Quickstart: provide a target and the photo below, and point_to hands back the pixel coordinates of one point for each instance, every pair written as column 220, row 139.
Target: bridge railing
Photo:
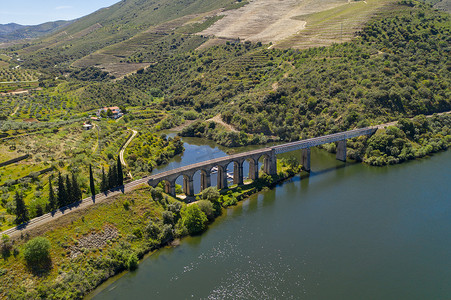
column 330, row 138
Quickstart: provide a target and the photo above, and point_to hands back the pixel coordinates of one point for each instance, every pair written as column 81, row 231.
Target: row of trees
column 69, row 192
column 114, row 177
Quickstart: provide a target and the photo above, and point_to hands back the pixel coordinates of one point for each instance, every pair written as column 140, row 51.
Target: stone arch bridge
column 269, row 162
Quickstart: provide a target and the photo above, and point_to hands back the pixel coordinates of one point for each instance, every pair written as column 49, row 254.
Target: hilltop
column 116, row 38
column 13, row 31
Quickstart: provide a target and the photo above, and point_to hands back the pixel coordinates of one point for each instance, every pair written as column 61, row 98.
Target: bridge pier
column 270, row 163
column 238, row 173
column 205, row 180
column 188, row 186
column 253, row 169
column 305, row 159
column 222, row 177
column 341, row 150
column 169, row 188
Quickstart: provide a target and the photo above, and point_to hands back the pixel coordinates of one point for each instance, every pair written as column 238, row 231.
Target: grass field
column 19, row 282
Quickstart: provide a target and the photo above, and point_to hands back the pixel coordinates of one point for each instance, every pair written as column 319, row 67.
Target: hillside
column 12, row 31
column 106, row 27
column 136, row 34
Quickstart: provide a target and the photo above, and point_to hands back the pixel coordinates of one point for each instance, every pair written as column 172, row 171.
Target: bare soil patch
column 268, row 20
column 217, row 119
column 94, row 240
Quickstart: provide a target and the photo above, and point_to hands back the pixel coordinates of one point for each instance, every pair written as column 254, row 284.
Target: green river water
column 347, row 231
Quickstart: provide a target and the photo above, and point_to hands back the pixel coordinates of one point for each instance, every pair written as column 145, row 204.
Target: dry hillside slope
column 296, row 23
column 268, row 20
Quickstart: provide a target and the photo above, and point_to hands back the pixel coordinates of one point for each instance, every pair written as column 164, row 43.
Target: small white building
column 117, row 113
column 87, row 126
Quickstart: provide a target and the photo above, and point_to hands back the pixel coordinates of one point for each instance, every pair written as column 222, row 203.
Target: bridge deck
column 335, row 137
column 211, row 162
column 278, row 149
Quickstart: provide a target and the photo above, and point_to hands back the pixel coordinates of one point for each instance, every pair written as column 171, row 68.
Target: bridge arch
column 250, row 165
column 264, row 159
column 234, row 170
column 168, row 186
column 187, row 184
column 222, row 177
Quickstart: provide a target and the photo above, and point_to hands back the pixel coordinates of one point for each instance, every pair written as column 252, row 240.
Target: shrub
column 132, row 262
column 168, row 217
column 37, row 252
column 207, row 208
column 193, row 219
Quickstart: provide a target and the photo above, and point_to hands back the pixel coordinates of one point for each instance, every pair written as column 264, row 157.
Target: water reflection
column 353, row 232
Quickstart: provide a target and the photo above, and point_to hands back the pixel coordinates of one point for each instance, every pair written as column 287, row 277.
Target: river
column 347, row 231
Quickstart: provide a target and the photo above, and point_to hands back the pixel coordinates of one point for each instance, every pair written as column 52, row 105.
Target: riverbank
column 347, row 231
column 104, row 240
column 141, row 228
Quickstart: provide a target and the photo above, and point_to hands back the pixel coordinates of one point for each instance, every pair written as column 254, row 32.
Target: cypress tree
column 120, row 175
column 52, row 200
column 70, row 191
column 114, row 174
column 62, row 195
column 76, row 188
column 103, row 183
column 91, row 182
column 21, row 209
column 110, row 178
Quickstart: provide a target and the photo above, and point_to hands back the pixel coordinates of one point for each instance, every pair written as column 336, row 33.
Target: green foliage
column 153, row 230
column 132, row 262
column 193, row 219
column 52, row 204
column 37, row 252
column 126, row 205
column 120, row 174
column 62, row 193
column 409, row 139
column 21, row 209
column 148, row 150
column 6, row 246
column 211, row 194
column 92, row 186
column 207, row 208
column 229, row 200
column 167, row 233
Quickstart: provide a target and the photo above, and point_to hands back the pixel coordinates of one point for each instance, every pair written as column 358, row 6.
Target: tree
column 61, row 195
column 37, row 252
column 21, row 209
column 114, row 175
column 211, row 193
column 91, row 182
column 52, row 200
column 103, row 183
column 193, row 219
column 207, row 208
column 120, row 175
column 76, row 189
column 110, row 178
column 70, row 191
